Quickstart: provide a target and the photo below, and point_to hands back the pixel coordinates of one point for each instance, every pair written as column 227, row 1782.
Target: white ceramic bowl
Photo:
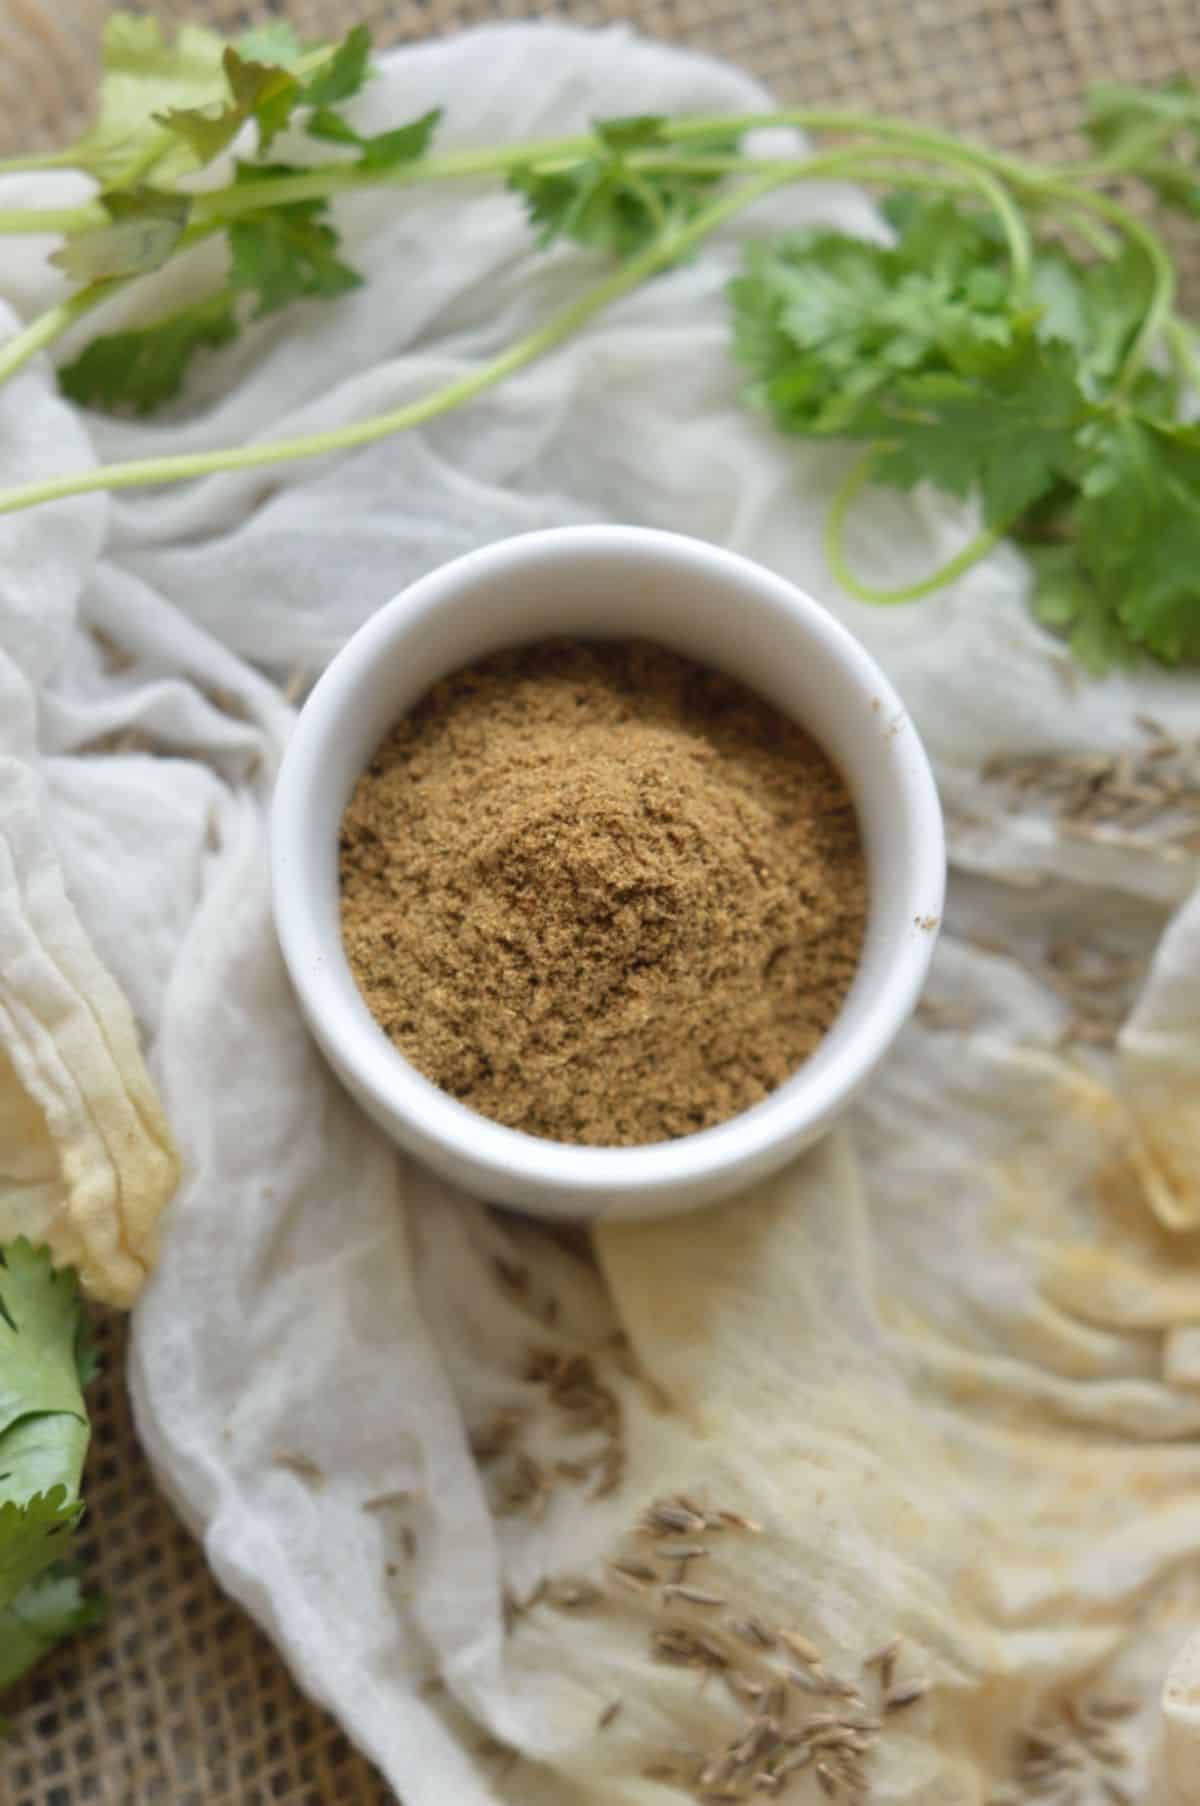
column 610, row 582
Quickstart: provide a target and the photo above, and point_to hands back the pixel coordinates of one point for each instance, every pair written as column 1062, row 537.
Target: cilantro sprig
column 1017, row 341
column 45, row 1362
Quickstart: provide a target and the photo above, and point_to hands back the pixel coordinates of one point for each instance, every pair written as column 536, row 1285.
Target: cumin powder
column 601, row 893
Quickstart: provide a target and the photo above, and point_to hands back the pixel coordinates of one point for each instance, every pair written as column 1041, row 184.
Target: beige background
column 178, row 1701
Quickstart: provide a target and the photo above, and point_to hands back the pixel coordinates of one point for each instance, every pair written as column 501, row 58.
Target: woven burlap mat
column 178, row 1700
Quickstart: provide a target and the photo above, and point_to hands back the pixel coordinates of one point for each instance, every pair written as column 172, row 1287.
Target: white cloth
column 949, row 1360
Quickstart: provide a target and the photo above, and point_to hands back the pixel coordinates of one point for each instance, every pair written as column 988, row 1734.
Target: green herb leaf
column 404, row 144
column 285, row 253
column 43, row 1424
column 825, row 323
column 1138, row 530
column 50, row 1609
column 1008, row 433
column 608, row 204
column 257, row 91
column 384, row 150
column 140, row 369
column 1068, row 602
column 325, row 123
column 1118, row 113
column 145, row 73
column 632, row 132
column 43, row 1440
column 273, row 42
column 34, row 1534
column 344, row 73
column 147, row 224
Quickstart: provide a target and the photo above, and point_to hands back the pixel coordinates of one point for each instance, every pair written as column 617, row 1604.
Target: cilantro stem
column 61, row 159
column 52, row 219
column 53, row 323
column 534, row 345
column 942, row 146
column 848, row 491
column 1162, row 270
column 220, row 204
column 1181, row 343
column 860, row 163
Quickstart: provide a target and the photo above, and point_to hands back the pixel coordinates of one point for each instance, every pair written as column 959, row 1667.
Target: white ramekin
column 610, row 582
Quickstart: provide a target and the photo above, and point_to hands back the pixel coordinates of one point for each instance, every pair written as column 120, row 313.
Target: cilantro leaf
column 384, row 150
column 43, row 1424
column 605, row 202
column 285, row 253
column 632, row 132
column 1138, row 531
column 141, row 368
column 43, row 1440
column 922, row 349
column 1009, row 432
column 144, row 73
column 274, row 42
column 825, row 323
column 39, row 1315
column 343, row 74
column 1067, row 601
column 33, row 1535
column 1094, row 308
column 258, row 91
column 1118, row 112
column 1153, row 132
column 147, row 224
column 50, row 1609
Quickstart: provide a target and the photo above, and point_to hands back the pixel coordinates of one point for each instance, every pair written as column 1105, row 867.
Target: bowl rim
column 367, row 1060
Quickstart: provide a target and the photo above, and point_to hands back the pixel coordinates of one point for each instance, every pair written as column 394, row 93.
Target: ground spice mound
column 601, row 893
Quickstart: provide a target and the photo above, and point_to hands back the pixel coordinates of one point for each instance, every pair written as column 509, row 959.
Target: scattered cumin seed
column 612, row 1472
column 884, row 1658
column 681, row 1552
column 304, row 1469
column 386, row 1501
column 717, row 1770
column 827, row 1779
column 742, row 1687
column 834, row 1684
column 793, row 1760
column 690, row 1595
column 672, row 1518
column 635, row 1576
column 906, row 1694
column 736, row 1521
column 609, row 1714
column 512, row 1275
column 754, row 1632
column 712, row 1652
column 572, row 1595
column 800, row 1647
column 1111, row 1709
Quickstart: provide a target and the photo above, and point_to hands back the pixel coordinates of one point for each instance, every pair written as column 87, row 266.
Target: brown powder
column 601, row 893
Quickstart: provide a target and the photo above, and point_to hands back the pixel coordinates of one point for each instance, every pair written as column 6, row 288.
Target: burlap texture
column 178, row 1700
